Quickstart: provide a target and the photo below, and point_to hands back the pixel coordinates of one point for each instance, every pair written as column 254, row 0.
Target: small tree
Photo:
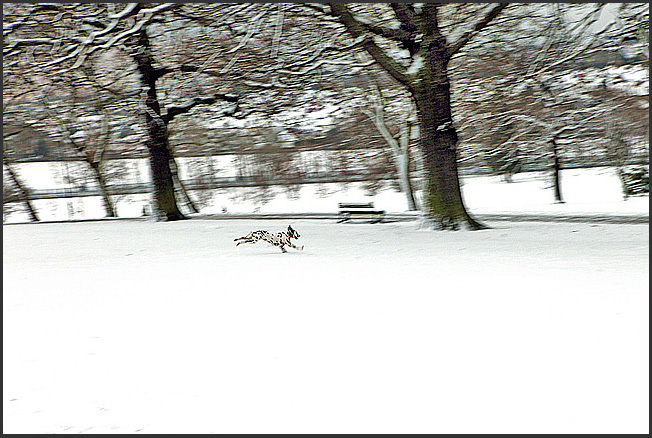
column 399, row 144
column 47, row 41
column 16, row 190
column 500, row 154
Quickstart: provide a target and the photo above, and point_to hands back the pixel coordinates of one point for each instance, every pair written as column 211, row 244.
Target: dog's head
column 292, row 232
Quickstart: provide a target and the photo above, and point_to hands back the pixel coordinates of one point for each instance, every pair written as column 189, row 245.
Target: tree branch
column 357, row 30
column 484, row 22
column 406, row 15
column 326, row 62
column 126, row 11
column 274, row 83
column 85, row 47
column 174, row 111
column 317, row 7
column 582, row 50
column 329, row 47
column 185, row 68
column 398, row 35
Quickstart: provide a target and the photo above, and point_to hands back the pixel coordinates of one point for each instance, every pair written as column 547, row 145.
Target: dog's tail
column 241, row 238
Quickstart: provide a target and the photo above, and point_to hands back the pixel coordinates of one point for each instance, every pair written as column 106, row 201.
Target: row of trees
column 409, row 69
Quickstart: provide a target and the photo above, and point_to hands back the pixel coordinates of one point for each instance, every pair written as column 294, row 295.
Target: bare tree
column 295, row 72
column 60, row 38
column 416, row 54
column 74, row 115
column 22, row 189
column 399, row 144
column 537, row 92
column 89, row 142
column 634, row 179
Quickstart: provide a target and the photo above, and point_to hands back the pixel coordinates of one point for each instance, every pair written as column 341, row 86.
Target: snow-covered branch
column 321, row 62
column 326, row 49
column 455, row 46
column 357, row 30
column 174, row 111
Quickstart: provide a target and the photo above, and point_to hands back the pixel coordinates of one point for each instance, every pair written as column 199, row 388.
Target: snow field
column 137, row 326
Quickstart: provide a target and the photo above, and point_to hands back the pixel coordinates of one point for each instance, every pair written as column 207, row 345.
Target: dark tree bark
column 431, row 92
column 157, row 130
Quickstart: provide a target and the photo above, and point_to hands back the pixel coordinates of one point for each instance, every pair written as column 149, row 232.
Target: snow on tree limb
column 253, row 27
column 398, row 35
column 278, row 29
column 454, row 47
column 357, row 30
column 76, row 48
column 582, row 49
column 321, row 51
column 322, row 62
column 174, row 111
column 126, row 11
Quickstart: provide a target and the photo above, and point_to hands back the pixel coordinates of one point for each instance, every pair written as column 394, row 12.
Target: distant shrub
column 503, row 161
column 500, row 155
column 635, row 180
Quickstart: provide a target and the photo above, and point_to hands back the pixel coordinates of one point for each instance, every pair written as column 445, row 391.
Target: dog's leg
column 283, row 248
column 298, row 248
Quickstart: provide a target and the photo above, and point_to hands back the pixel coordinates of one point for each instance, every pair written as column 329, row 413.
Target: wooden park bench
column 348, row 210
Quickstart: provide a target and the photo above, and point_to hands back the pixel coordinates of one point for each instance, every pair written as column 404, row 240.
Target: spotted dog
column 277, row 239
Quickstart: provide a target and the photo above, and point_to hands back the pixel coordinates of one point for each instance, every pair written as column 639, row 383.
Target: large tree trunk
column 442, row 196
column 161, row 174
column 157, row 140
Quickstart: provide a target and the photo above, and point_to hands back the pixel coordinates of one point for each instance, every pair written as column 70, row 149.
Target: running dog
column 278, row 239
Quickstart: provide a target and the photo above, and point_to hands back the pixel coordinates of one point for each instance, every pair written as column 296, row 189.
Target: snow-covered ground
column 586, row 191
column 591, row 191
column 153, row 327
